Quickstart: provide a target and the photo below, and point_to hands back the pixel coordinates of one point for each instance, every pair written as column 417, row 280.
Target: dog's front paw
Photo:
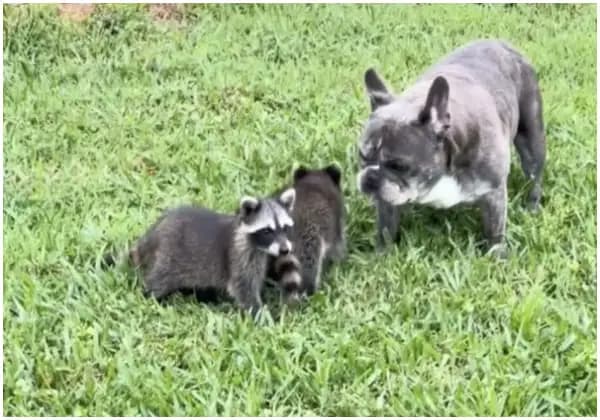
column 533, row 206
column 498, row 251
column 383, row 241
column 534, row 199
column 383, row 248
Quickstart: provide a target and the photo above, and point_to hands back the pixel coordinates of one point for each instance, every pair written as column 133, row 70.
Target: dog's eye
column 440, row 138
column 363, row 157
column 397, row 167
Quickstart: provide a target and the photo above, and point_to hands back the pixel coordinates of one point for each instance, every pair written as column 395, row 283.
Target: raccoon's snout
column 279, row 248
column 285, row 248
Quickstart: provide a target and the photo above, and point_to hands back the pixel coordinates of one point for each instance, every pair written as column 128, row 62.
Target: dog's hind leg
column 530, row 140
column 494, row 211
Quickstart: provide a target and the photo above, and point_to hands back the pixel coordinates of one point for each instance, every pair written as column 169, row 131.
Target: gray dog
column 446, row 139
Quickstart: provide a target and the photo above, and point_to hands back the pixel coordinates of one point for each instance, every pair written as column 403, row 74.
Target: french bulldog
column 446, row 139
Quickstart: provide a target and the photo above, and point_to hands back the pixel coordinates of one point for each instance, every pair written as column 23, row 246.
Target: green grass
column 108, row 122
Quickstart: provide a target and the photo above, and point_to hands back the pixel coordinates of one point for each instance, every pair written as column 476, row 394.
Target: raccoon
column 318, row 235
column 193, row 248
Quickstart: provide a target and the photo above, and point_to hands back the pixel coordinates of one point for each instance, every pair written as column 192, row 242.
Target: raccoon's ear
column 287, row 198
column 248, row 205
column 300, row 173
column 435, row 111
column 334, row 173
column 376, row 90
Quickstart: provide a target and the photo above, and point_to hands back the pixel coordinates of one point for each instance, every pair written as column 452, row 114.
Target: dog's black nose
column 371, row 181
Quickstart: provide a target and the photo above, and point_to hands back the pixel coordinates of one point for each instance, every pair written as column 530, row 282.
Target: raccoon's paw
column 309, row 289
column 293, row 298
column 261, row 315
column 340, row 251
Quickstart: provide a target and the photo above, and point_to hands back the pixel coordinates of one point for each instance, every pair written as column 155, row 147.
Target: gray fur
column 199, row 249
column 446, row 139
column 318, row 234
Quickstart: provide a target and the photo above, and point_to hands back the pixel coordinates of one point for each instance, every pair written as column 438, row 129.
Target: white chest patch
column 448, row 193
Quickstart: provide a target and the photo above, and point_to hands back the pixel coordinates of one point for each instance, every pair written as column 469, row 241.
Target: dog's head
column 404, row 147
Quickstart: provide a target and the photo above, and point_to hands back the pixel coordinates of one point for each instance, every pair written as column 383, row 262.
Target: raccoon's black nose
column 284, row 250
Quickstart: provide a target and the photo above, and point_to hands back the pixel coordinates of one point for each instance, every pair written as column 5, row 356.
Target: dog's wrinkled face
column 402, row 158
column 400, row 162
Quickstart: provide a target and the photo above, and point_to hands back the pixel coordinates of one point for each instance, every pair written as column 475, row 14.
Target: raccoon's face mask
column 268, row 223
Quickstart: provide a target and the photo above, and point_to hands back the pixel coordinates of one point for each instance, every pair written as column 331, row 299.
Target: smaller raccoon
column 318, row 235
column 192, row 248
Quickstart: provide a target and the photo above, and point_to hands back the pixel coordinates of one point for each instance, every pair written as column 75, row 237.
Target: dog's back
column 487, row 70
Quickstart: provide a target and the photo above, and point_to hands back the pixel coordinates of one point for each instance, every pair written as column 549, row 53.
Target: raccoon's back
column 191, row 243
column 317, row 212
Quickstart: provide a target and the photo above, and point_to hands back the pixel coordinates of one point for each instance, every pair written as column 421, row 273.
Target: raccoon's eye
column 265, row 231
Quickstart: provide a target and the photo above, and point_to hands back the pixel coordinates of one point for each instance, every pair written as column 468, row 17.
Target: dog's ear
column 378, row 93
column 334, row 173
column 435, row 111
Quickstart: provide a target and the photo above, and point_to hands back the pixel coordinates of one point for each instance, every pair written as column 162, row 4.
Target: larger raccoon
column 318, row 234
column 193, row 248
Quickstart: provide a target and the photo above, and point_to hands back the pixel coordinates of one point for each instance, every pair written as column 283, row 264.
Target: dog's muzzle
column 369, row 180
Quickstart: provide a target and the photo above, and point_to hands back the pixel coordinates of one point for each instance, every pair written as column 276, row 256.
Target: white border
column 289, row 1
column 303, row 2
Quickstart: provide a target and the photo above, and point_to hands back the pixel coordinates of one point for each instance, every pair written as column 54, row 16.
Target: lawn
column 109, row 120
